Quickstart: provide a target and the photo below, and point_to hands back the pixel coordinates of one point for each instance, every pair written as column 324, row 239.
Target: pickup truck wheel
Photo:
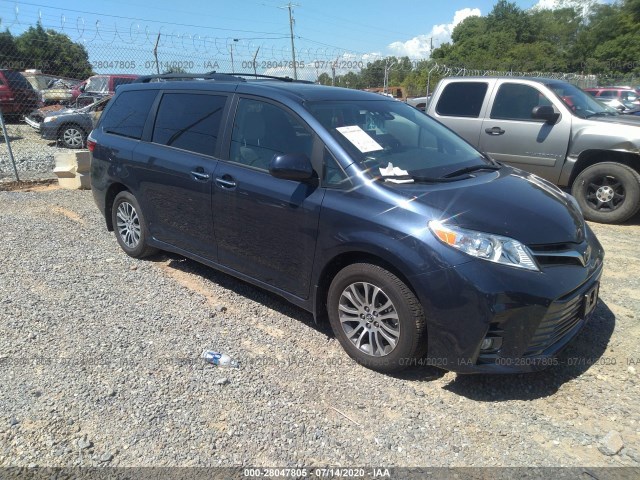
column 376, row 318
column 608, row 192
column 72, row 136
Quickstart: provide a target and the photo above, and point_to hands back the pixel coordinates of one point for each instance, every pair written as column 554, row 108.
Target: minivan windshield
column 580, row 103
column 390, row 138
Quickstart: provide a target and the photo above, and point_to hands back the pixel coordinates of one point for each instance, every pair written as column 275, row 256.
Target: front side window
column 462, row 99
column 128, row 113
column 387, row 137
column 262, row 130
column 189, row 121
column 516, row 102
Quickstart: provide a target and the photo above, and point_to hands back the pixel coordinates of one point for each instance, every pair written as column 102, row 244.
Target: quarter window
column 462, row 99
column 128, row 113
column 262, row 130
column 189, row 121
column 333, row 175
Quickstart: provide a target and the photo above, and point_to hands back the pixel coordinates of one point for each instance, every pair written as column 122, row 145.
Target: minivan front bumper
column 526, row 317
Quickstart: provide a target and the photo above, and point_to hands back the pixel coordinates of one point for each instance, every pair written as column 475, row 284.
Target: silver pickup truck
column 553, row 129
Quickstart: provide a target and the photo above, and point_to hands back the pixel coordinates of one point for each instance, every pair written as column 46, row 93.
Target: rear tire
column 376, row 318
column 607, row 192
column 130, row 226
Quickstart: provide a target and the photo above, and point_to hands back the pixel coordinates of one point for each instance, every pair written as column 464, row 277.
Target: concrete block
column 72, row 169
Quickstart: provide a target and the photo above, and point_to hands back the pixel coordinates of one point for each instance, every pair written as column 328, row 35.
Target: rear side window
column 128, row 113
column 16, row 80
column 189, row 121
column 462, row 99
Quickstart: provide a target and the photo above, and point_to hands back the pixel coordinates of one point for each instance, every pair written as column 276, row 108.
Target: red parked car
column 627, row 96
column 17, row 96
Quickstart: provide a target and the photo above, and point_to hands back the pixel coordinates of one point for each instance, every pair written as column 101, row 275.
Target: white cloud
column 585, row 5
column 420, row 46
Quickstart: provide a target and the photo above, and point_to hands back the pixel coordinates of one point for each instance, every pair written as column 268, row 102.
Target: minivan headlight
column 494, row 248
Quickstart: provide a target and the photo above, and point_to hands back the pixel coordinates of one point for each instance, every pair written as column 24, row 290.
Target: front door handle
column 494, row 131
column 226, row 181
column 199, row 174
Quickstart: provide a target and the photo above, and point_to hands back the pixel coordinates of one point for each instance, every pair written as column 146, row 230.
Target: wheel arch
column 589, row 158
column 113, row 190
column 340, row 261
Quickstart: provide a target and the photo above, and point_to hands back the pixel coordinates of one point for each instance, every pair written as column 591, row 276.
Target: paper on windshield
column 360, row 139
column 391, row 171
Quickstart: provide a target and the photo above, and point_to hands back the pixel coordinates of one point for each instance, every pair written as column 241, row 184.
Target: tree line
column 583, row 37
column 47, row 50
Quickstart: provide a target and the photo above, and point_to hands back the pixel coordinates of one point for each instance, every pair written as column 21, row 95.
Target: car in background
column 102, row 85
column 627, row 96
column 17, row 96
column 68, row 126
column 52, row 89
column 62, row 91
column 419, row 102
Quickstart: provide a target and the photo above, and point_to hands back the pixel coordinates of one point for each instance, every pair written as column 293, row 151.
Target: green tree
column 9, row 55
column 53, row 53
column 324, row 79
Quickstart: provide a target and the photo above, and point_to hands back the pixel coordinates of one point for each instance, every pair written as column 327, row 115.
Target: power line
column 121, row 17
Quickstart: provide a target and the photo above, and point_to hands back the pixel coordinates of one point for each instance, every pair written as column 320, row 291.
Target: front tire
column 130, row 226
column 376, row 318
column 72, row 136
column 607, row 192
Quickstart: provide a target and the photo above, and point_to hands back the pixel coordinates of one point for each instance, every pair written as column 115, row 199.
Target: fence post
column 6, row 139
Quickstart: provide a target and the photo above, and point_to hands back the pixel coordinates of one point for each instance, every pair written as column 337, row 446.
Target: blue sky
column 202, row 35
column 385, row 27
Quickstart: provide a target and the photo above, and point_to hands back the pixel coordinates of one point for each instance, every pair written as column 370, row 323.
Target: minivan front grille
column 562, row 254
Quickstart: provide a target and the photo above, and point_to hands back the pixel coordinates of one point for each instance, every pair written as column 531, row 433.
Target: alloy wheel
column 369, row 319
column 128, row 224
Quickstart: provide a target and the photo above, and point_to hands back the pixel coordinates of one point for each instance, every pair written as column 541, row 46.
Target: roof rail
column 224, row 77
column 268, row 77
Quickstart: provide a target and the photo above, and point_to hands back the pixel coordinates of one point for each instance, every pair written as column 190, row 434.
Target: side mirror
column 291, row 166
column 545, row 112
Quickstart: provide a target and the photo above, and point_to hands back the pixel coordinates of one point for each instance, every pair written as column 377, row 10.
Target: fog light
column 491, row 343
column 486, row 344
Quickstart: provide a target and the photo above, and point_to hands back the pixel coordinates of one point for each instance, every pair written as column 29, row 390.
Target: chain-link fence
column 55, row 78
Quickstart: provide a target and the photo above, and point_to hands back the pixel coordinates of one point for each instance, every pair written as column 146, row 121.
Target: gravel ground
column 33, row 155
column 99, row 365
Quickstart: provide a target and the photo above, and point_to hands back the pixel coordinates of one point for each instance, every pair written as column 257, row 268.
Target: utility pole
column 388, row 66
column 293, row 48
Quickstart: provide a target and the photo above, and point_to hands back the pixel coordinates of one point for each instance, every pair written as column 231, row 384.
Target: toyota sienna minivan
column 355, row 207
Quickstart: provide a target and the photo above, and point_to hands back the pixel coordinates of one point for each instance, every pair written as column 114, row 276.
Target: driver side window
column 262, row 130
column 515, row 102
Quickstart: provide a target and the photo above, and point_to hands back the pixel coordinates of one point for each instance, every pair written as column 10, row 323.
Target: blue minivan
column 358, row 208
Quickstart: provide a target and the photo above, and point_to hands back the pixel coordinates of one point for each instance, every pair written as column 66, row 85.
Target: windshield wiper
column 417, row 179
column 473, row 168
